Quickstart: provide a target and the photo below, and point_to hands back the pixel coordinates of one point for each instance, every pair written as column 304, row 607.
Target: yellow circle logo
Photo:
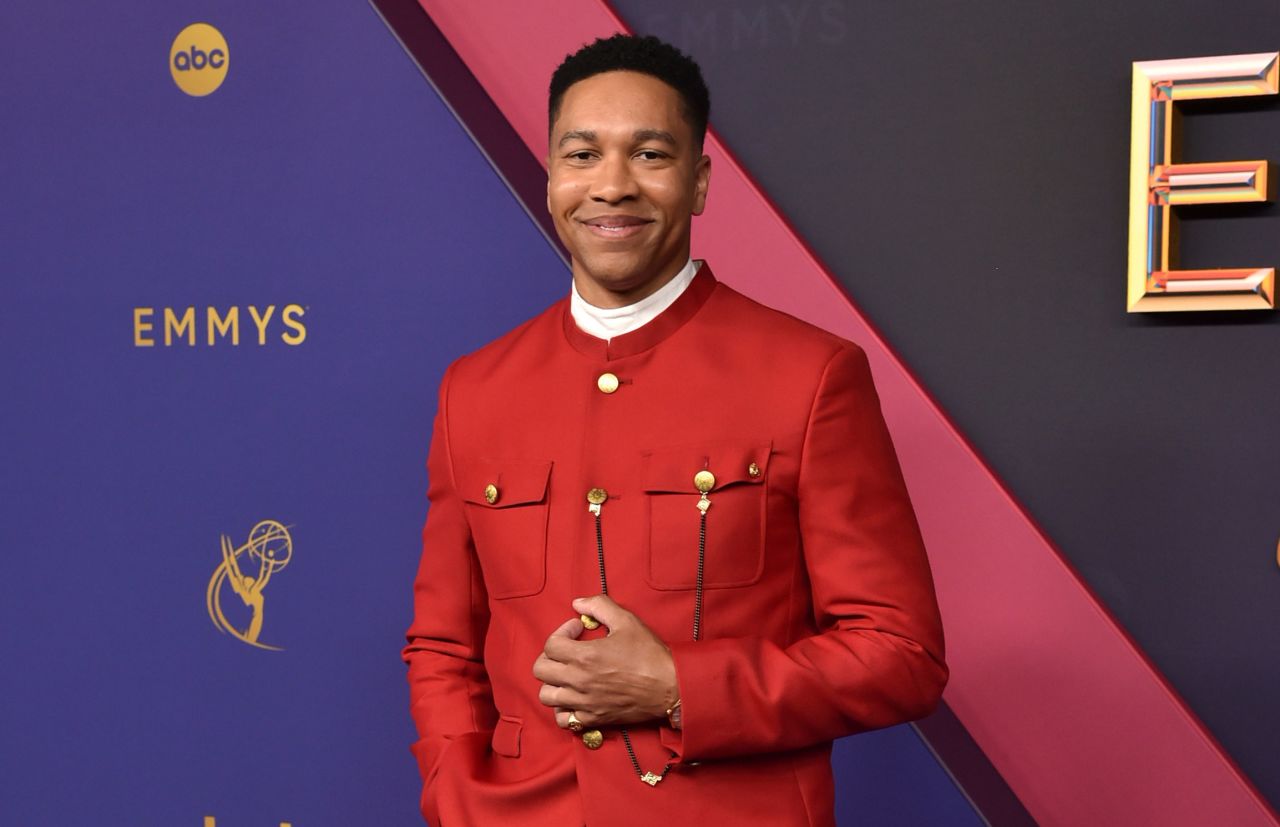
column 198, row 59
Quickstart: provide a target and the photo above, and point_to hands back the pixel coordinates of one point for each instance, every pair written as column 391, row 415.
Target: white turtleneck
column 607, row 322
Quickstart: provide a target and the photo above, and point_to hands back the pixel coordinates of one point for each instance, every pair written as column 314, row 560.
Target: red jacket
column 819, row 617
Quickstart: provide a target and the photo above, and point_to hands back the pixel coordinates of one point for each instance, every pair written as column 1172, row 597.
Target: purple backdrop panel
column 325, row 173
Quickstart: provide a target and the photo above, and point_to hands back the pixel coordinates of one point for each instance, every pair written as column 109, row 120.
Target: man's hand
column 624, row 678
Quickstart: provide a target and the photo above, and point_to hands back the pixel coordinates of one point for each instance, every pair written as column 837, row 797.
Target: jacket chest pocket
column 506, row 506
column 735, row 522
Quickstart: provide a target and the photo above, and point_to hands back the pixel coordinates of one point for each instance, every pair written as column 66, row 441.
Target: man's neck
column 608, row 322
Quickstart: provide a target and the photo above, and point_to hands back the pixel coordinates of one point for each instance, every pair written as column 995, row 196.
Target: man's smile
column 615, row 226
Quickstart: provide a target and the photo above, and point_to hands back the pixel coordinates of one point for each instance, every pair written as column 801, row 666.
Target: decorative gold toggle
column 704, row 481
column 651, row 779
column 589, row 622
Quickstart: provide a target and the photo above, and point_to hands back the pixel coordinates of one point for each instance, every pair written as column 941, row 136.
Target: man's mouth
column 615, row 226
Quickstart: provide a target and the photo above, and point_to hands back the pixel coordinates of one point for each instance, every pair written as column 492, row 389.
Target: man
column 719, row 469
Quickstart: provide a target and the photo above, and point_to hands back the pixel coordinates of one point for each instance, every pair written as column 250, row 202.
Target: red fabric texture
column 819, row 619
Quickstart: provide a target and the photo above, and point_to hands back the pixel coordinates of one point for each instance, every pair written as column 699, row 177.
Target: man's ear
column 702, row 180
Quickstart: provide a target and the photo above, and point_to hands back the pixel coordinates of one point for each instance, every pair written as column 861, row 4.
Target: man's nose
column 613, row 181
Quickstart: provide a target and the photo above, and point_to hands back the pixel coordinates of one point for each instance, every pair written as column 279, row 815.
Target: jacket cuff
column 707, row 713
column 673, row 740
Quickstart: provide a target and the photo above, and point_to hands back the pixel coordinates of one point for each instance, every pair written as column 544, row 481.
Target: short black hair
column 647, row 55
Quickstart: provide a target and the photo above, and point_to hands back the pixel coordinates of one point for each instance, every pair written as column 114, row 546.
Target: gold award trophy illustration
column 267, row 551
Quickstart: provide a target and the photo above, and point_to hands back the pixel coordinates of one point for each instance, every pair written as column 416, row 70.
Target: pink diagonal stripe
column 1079, row 723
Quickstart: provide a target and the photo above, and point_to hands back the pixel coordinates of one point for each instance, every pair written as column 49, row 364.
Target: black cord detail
column 697, row 622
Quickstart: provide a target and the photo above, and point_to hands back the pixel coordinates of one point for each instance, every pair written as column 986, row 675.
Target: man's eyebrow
column 642, row 135
column 577, row 135
column 639, row 136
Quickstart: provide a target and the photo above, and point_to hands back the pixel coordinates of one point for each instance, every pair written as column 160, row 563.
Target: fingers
column 562, row 644
column 564, row 650
column 571, row 629
column 559, row 689
column 561, row 696
column 557, row 673
column 565, row 664
column 603, row 609
column 585, row 719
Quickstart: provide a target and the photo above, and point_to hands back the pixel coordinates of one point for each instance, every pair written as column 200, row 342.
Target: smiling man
column 669, row 554
column 627, row 175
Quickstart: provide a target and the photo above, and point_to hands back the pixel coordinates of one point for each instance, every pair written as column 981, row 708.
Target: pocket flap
column 514, row 482
column 671, row 470
column 506, row 736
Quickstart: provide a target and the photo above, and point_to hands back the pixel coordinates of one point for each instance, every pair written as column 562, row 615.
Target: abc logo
column 198, row 59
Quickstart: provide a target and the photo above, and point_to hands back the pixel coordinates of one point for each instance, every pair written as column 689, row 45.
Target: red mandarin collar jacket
column 819, row 617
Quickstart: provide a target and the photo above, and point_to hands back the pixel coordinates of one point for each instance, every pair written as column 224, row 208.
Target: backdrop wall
column 960, row 169
column 225, row 310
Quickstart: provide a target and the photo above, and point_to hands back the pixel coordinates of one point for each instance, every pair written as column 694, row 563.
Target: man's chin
column 615, row 276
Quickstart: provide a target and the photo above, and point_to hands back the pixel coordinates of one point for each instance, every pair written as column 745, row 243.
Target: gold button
column 593, row 738
column 607, row 383
column 597, row 496
column 753, row 470
column 491, row 493
column 589, row 622
column 704, row 481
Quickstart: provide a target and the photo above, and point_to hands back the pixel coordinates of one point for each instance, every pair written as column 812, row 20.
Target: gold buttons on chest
column 753, row 470
column 607, row 383
column 491, row 493
column 595, row 500
column 704, row 481
column 592, row 739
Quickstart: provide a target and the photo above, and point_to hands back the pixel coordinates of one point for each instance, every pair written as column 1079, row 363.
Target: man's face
column 625, row 178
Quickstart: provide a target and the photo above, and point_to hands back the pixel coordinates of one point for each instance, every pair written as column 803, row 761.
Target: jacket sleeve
column 449, row 692
column 876, row 658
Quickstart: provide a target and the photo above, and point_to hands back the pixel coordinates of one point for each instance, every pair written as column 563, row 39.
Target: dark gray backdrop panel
column 962, row 168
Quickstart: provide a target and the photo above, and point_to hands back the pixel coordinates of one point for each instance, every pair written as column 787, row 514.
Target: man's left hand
column 625, row 678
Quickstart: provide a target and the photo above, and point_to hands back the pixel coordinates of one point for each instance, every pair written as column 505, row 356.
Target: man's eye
column 650, row 154
column 580, row 155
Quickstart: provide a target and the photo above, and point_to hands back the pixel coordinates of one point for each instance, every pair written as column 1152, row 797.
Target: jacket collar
column 637, row 341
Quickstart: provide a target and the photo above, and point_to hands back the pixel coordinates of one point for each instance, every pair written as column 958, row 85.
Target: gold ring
column 574, row 724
